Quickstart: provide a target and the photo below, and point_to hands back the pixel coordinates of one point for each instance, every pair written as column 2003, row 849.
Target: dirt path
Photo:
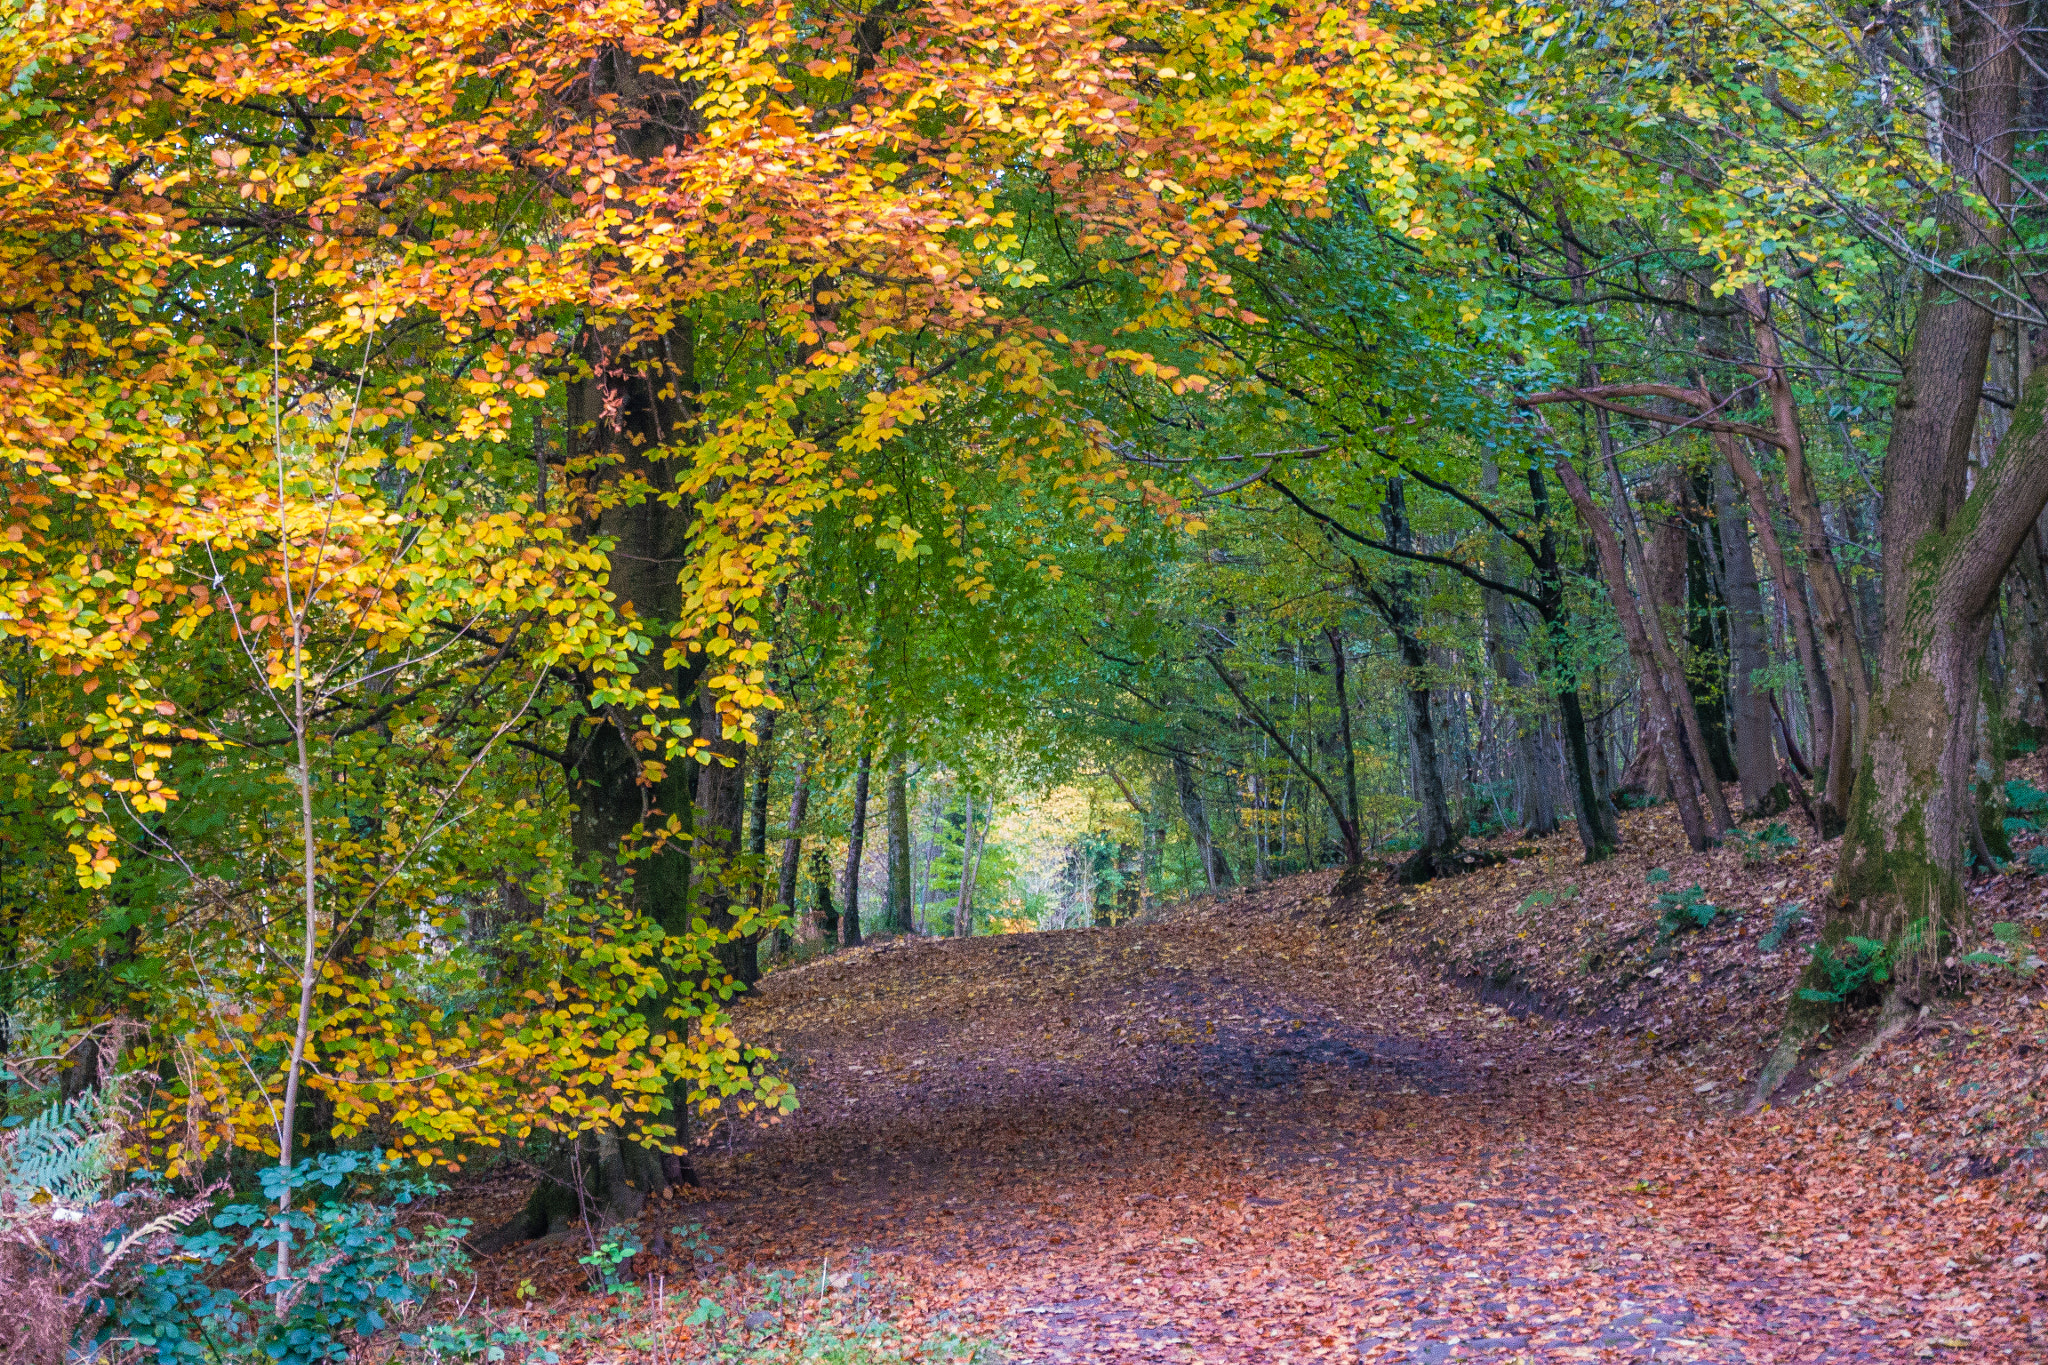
column 1183, row 1142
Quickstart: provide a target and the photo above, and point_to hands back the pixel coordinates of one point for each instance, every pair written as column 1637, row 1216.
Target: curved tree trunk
column 1849, row 681
column 1635, row 632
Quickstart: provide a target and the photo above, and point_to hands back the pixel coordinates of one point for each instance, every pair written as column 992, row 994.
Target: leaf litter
column 1496, row 1118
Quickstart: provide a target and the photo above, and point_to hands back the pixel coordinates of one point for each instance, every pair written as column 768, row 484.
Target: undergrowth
column 848, row 1316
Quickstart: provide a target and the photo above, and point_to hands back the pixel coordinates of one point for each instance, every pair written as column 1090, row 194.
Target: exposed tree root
column 1898, row 1013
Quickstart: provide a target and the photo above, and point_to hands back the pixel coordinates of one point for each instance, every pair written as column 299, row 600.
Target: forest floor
column 1498, row 1118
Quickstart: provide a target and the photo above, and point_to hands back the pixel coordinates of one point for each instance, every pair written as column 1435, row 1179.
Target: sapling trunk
column 309, row 959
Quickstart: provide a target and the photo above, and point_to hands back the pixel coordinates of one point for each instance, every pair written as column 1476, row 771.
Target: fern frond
column 66, row 1152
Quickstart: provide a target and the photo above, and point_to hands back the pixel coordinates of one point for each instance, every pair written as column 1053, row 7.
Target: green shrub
column 353, row 1268
column 2036, row 860
column 1548, row 897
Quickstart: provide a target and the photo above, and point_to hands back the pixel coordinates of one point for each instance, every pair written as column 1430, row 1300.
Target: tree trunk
column 1756, row 757
column 637, row 390
column 824, row 916
column 963, row 900
column 856, row 837
column 897, row 916
column 1352, row 879
column 793, row 845
column 1850, row 696
column 1946, row 551
column 1599, row 831
column 1525, row 737
column 1790, row 583
column 2028, row 572
column 1707, row 660
column 757, row 826
column 721, row 811
column 1687, row 758
column 1636, row 633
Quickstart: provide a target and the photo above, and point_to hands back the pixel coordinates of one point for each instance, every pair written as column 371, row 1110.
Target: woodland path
column 1218, row 1141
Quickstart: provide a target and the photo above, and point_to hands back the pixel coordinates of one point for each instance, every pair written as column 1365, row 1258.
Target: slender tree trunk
column 824, row 915
column 1688, row 756
column 1394, row 597
column 2032, row 579
column 1635, row 632
column 970, row 865
column 1756, row 758
column 1790, row 582
column 721, row 811
column 757, row 814
column 1524, row 731
column 1599, row 830
column 1352, row 879
column 856, row 837
column 1850, row 700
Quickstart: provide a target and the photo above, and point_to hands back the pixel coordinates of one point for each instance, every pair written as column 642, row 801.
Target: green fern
column 64, row 1153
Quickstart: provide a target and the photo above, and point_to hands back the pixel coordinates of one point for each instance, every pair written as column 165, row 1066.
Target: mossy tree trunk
column 1947, row 545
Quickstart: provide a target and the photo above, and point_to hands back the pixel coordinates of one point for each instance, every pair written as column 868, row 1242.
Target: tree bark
column 1688, row 756
column 1791, row 586
column 635, row 392
column 1850, row 698
column 970, row 865
column 2028, row 572
column 1535, row 803
column 1352, row 879
column 757, row 826
column 721, row 811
